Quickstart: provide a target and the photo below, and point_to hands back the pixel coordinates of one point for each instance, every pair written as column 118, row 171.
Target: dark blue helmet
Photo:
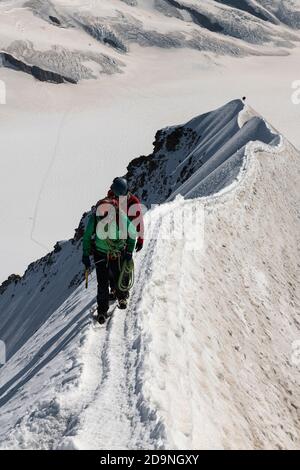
column 119, row 186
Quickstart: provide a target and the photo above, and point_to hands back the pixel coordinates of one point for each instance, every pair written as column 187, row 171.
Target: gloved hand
column 86, row 261
column 139, row 245
column 128, row 256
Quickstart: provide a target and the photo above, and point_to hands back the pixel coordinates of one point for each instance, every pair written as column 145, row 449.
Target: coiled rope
column 126, row 278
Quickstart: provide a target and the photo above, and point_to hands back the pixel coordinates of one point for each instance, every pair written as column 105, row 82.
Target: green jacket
column 111, row 242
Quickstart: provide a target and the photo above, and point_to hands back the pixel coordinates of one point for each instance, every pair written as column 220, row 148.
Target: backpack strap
column 106, row 200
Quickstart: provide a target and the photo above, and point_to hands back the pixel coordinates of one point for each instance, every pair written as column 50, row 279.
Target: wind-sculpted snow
column 213, row 176
column 199, row 158
column 204, row 352
column 216, row 27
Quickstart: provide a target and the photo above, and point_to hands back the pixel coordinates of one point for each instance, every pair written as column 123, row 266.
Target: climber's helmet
column 119, row 186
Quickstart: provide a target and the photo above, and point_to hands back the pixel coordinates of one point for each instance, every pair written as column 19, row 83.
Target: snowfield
column 43, row 33
column 203, row 357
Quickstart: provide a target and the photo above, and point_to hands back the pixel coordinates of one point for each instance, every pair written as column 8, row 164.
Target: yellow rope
column 126, row 278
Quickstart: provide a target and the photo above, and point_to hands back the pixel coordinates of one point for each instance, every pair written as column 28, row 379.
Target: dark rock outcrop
column 54, row 20
column 198, row 18
column 12, row 279
column 9, row 61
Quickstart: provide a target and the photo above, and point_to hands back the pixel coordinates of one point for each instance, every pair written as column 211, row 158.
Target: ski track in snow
column 45, row 179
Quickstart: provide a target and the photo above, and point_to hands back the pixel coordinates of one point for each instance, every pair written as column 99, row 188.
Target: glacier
column 106, row 32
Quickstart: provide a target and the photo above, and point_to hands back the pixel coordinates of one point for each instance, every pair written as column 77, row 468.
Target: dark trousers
column 108, row 272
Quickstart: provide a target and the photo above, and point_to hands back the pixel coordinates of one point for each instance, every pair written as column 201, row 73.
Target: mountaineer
column 131, row 205
column 110, row 236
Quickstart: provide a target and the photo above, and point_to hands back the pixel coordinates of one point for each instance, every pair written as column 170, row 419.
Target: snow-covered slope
column 38, row 36
column 203, row 356
column 200, row 157
column 138, row 66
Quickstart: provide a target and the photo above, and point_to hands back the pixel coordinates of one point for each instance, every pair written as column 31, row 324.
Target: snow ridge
column 198, row 158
